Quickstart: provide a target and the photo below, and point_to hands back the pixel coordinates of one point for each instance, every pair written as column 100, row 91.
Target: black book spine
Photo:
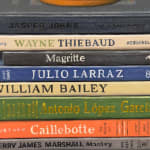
column 36, row 24
column 76, row 58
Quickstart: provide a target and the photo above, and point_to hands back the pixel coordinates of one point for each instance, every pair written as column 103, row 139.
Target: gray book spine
column 52, row 24
column 75, row 58
column 76, row 144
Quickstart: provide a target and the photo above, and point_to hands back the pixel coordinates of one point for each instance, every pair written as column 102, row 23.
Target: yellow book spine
column 74, row 88
column 74, row 42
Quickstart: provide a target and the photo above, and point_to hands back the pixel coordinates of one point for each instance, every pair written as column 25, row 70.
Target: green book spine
column 53, row 108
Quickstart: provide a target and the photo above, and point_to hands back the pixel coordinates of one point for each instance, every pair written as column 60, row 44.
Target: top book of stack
column 35, row 17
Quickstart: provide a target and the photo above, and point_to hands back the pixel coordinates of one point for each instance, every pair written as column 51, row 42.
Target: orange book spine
column 79, row 128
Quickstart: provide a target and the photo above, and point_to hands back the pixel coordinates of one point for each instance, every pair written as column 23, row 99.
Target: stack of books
column 74, row 78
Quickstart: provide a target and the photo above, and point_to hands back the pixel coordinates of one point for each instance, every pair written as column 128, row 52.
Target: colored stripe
column 72, row 73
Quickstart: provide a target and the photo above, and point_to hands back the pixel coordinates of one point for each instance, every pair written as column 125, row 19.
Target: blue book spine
column 72, row 73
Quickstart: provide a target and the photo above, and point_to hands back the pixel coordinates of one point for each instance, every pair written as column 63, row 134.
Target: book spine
column 75, row 128
column 59, row 108
column 76, row 58
column 76, row 144
column 74, row 88
column 75, row 24
column 72, row 73
column 75, row 42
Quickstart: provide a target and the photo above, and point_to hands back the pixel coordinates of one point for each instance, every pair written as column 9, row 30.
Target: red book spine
column 79, row 128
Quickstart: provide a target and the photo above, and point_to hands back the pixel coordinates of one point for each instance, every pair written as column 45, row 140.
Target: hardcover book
column 74, row 42
column 76, row 144
column 74, row 108
column 75, row 129
column 35, row 16
column 74, row 73
column 70, row 89
column 76, row 58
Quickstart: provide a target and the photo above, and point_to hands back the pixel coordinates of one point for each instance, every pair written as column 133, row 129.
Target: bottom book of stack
column 76, row 144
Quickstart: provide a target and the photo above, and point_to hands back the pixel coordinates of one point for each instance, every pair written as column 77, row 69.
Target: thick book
column 74, row 73
column 74, row 88
column 75, row 128
column 76, row 58
column 35, row 17
column 75, row 108
column 135, row 143
column 75, row 42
